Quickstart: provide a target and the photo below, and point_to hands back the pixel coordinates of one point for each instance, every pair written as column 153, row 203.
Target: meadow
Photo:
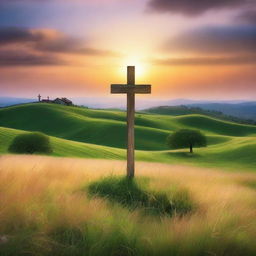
column 45, row 210
column 89, row 133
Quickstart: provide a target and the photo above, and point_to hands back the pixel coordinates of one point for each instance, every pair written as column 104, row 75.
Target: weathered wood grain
column 137, row 89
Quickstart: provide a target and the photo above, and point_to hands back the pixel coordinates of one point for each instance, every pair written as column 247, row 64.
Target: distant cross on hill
column 130, row 89
column 39, row 97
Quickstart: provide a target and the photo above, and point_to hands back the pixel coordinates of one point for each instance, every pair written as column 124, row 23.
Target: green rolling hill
column 82, row 132
column 243, row 118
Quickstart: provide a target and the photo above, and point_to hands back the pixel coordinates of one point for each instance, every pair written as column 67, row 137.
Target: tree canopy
column 186, row 138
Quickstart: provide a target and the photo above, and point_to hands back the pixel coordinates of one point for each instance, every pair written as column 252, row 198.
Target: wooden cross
column 130, row 89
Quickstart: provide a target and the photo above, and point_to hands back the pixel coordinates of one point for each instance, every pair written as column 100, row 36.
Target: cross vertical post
column 130, row 122
column 130, row 89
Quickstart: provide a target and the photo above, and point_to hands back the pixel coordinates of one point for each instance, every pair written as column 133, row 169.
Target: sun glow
column 140, row 67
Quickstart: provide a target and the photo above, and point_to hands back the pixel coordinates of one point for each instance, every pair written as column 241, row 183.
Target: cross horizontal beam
column 123, row 88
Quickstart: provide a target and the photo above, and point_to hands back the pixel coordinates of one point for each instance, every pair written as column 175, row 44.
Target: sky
column 197, row 49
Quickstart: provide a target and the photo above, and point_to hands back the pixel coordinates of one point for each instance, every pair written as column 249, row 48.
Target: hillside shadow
column 133, row 194
column 184, row 155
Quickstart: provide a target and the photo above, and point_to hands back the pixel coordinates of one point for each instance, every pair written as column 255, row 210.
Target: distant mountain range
column 142, row 102
column 236, row 108
column 245, row 110
column 188, row 110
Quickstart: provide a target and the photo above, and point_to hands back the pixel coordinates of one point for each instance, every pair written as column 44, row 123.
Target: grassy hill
column 81, row 132
column 84, row 125
column 108, row 128
column 62, row 147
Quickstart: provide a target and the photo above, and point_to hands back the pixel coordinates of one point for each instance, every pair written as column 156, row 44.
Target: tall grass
column 134, row 194
column 44, row 212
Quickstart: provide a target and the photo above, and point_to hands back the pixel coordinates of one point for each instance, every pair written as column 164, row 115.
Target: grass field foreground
column 43, row 210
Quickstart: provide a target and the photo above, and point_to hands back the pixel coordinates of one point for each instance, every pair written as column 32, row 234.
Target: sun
column 140, row 67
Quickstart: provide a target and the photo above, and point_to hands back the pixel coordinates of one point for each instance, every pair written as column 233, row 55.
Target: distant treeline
column 185, row 110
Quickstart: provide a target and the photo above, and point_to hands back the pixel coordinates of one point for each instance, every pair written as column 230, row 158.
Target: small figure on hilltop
column 186, row 138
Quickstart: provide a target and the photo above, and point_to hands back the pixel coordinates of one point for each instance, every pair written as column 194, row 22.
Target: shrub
column 30, row 143
column 186, row 138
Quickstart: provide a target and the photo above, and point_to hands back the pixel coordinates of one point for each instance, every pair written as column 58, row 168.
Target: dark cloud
column 195, row 7
column 21, row 46
column 247, row 17
column 48, row 40
column 205, row 61
column 13, row 35
column 215, row 40
column 11, row 58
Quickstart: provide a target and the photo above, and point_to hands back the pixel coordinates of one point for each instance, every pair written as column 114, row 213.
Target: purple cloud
column 48, row 40
column 247, row 17
column 24, row 58
column 215, row 40
column 195, row 7
column 21, row 46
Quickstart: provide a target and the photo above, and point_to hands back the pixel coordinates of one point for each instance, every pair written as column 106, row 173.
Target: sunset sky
column 197, row 49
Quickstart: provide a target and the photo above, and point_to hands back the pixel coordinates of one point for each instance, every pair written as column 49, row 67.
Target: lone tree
column 30, row 143
column 186, row 138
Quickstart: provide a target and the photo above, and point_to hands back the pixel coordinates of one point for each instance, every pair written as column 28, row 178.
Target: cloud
column 215, row 40
column 10, row 58
column 230, row 45
column 247, row 17
column 21, row 46
column 48, row 40
column 207, row 61
column 195, row 7
column 63, row 44
column 13, row 35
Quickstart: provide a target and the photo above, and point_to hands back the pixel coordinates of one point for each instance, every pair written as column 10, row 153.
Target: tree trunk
column 191, row 148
